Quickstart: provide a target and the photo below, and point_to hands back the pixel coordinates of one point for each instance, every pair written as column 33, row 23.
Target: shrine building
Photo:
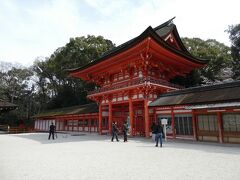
column 133, row 82
column 6, row 106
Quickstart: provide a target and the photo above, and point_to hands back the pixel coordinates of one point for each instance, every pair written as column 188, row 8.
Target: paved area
column 80, row 157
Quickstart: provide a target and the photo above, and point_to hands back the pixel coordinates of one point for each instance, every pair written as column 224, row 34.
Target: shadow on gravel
column 210, row 147
column 141, row 142
column 61, row 137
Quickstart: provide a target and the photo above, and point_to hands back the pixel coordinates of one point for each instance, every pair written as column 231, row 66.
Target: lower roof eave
column 216, row 105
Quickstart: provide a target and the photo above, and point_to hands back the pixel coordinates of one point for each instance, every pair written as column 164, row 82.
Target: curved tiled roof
column 219, row 93
column 157, row 34
column 6, row 106
column 73, row 110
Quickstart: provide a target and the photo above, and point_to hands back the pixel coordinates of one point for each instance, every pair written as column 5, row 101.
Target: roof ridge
column 164, row 24
column 148, row 31
column 69, row 107
column 203, row 88
column 113, row 50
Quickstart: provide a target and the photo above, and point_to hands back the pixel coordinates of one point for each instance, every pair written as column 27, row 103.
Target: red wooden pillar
column 72, row 123
column 100, row 119
column 173, row 124
column 58, row 125
column 194, row 123
column 89, row 125
column 110, row 117
column 68, row 127
column 131, row 115
column 146, row 117
column 79, row 124
column 45, row 125
column 220, row 130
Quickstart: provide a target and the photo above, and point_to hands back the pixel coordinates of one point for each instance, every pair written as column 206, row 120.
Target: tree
column 17, row 87
column 14, row 82
column 219, row 56
column 234, row 36
column 54, row 84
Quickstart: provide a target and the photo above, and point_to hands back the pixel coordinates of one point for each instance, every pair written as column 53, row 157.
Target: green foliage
column 46, row 84
column 17, row 87
column 234, row 36
column 14, row 83
column 190, row 80
column 10, row 118
column 218, row 54
column 54, row 84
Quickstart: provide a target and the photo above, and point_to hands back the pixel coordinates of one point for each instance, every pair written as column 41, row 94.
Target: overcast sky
column 32, row 28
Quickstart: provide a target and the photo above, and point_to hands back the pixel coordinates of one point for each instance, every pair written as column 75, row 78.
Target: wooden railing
column 4, row 128
column 134, row 82
column 14, row 130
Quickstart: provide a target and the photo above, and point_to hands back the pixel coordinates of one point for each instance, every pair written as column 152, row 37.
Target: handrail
column 138, row 81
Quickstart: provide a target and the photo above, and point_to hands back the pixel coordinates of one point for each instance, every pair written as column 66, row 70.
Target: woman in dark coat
column 114, row 131
column 125, row 130
column 153, row 128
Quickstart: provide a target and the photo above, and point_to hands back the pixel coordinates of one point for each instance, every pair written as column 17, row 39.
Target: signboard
column 164, row 121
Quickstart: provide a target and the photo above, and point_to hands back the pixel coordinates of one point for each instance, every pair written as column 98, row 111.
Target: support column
column 131, row 116
column 146, row 114
column 110, row 117
column 194, row 123
column 173, row 124
column 220, row 129
column 155, row 115
column 100, row 119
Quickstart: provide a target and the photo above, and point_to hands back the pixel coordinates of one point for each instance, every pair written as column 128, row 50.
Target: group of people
column 115, row 131
column 157, row 133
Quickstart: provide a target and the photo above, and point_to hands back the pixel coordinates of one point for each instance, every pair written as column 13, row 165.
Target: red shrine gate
column 135, row 73
column 119, row 113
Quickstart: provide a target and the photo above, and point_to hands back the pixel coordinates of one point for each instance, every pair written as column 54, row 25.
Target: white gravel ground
column 33, row 157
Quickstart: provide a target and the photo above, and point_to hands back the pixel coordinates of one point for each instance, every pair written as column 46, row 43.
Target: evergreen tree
column 54, row 84
column 219, row 56
column 234, row 36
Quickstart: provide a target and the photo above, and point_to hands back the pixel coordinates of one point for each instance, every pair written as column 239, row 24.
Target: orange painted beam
column 131, row 116
column 220, row 126
column 100, row 119
column 173, row 123
column 110, row 117
column 146, row 119
column 194, row 123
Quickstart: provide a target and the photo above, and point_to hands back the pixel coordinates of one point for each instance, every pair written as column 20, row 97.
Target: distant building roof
column 73, row 110
column 216, row 105
column 6, row 106
column 220, row 93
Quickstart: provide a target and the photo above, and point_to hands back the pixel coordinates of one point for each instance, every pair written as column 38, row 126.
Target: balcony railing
column 134, row 82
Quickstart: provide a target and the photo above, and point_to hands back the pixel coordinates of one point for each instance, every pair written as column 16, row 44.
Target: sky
column 36, row 28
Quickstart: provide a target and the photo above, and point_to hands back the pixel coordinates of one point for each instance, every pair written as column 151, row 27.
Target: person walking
column 159, row 134
column 125, row 130
column 51, row 131
column 114, row 131
column 153, row 129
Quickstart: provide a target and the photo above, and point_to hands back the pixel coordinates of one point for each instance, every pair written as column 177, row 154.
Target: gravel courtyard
column 79, row 157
